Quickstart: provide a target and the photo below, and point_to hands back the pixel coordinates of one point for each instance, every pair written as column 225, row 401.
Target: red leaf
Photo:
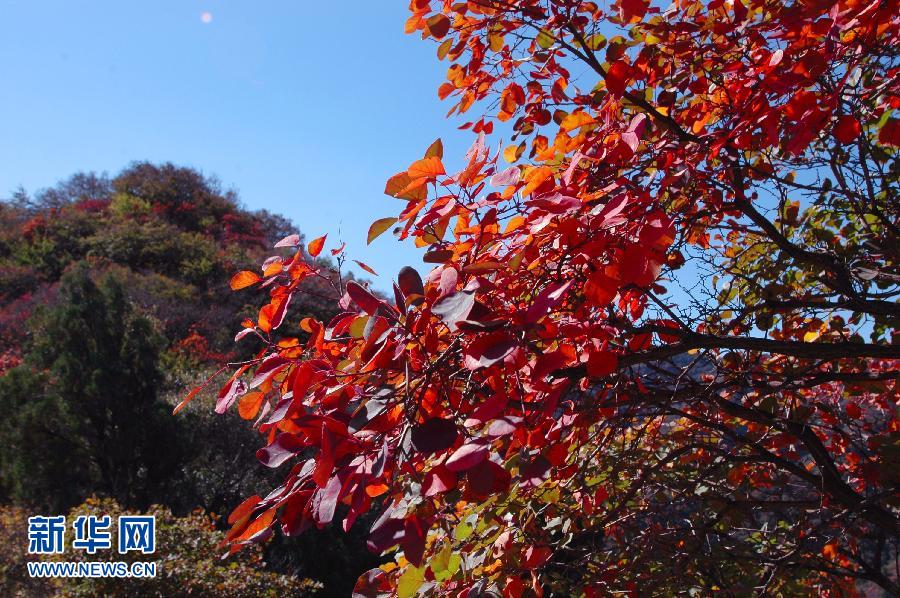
column 504, row 426
column 325, row 459
column 363, row 297
column 414, row 540
column 535, row 472
column 190, row 397
column 535, row 556
column 303, row 379
column 632, row 136
column 257, row 528
column 377, row 228
column 438, row 256
column 466, row 456
column 374, row 583
column 434, row 435
column 846, row 129
column 602, row 363
column 490, row 349
column 272, row 314
column 600, row 289
column 488, row 410
column 453, row 308
column 510, row 176
column 890, row 133
column 546, row 300
column 487, row 478
column 617, row 78
column 399, row 186
column 410, row 282
column 386, row 532
column 280, row 450
column 447, row 284
column 438, row 26
column 366, row 267
column 325, row 501
column 634, row 10
column 439, row 480
column 229, row 393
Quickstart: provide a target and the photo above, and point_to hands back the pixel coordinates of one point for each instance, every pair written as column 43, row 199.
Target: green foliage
column 113, row 298
column 168, row 231
column 83, row 413
column 188, row 559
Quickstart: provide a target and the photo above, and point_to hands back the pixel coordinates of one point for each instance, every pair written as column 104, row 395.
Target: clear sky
column 305, row 108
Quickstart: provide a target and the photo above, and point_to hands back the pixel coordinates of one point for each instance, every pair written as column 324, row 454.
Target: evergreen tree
column 83, row 415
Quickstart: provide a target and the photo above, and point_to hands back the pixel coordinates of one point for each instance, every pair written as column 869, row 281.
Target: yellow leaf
column 512, row 153
column 378, row 227
column 410, row 582
column 575, row 120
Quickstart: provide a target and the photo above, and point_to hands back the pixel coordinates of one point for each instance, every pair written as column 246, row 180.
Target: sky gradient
column 302, row 109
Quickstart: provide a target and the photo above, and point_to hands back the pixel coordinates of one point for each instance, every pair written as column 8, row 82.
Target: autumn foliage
column 657, row 348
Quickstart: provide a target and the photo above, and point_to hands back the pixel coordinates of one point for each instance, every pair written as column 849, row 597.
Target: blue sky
column 303, row 108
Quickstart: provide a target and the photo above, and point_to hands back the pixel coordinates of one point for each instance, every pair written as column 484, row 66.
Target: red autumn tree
column 657, row 350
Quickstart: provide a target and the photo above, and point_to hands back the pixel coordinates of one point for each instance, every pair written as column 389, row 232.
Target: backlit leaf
column 378, row 227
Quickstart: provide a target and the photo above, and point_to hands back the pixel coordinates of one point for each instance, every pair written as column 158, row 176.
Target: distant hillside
column 173, row 236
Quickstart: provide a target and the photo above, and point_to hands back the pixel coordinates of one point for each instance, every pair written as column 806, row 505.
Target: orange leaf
column 249, row 404
column 376, row 489
column 579, row 118
column 272, row 314
column 274, row 268
column 397, row 185
column 366, row 267
column 244, row 509
column 190, row 397
column 534, row 177
column 315, row 246
column 244, row 279
column 514, row 223
column 426, row 168
column 259, row 524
